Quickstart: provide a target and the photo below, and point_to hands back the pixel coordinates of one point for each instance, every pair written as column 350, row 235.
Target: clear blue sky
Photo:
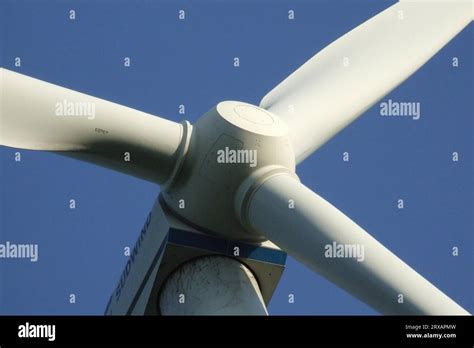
column 190, row 62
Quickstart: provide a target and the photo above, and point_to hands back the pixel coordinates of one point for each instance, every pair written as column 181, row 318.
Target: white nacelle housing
column 227, row 145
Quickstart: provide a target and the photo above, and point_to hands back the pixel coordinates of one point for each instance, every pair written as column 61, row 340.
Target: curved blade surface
column 347, row 77
column 324, row 239
column 38, row 115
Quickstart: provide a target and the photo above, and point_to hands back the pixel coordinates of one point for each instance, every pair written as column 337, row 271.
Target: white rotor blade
column 314, row 232
column 37, row 115
column 347, row 77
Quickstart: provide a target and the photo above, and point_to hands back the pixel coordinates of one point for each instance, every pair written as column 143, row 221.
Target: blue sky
column 190, row 62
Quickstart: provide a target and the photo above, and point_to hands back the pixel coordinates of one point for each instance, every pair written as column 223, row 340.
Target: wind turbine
column 252, row 203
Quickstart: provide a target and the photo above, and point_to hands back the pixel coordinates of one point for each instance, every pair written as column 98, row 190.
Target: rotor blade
column 351, row 74
column 327, row 241
column 37, row 115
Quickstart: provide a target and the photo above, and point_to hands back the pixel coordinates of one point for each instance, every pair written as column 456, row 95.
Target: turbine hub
column 228, row 146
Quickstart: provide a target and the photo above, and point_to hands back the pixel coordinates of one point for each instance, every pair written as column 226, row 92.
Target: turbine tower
column 231, row 203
